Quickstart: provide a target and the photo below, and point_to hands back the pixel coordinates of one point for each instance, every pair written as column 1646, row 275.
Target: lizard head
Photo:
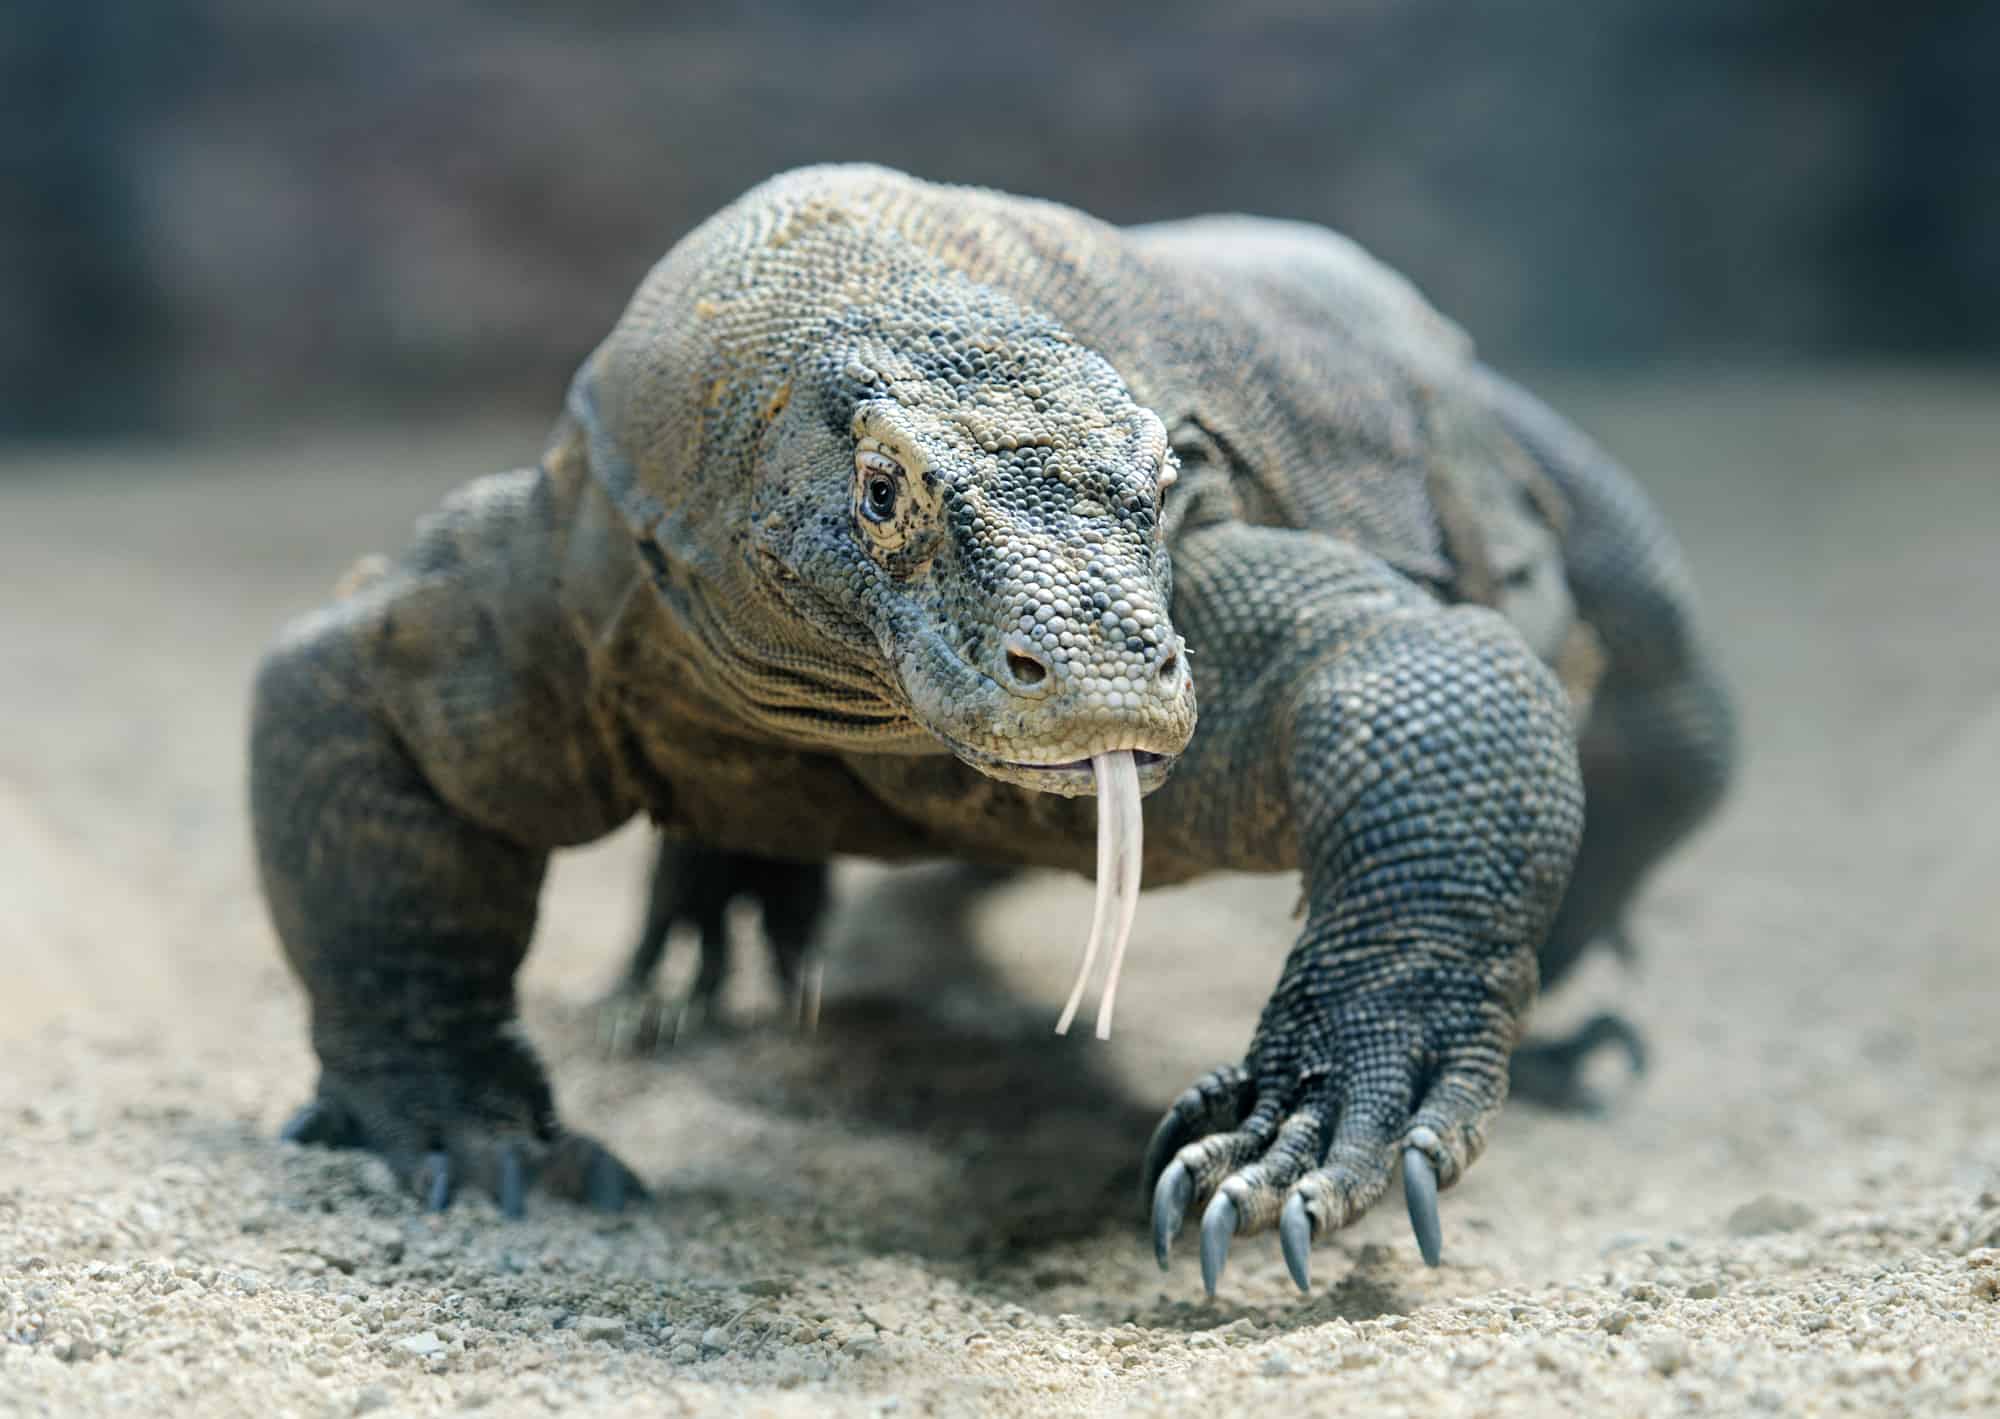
column 974, row 498
column 887, row 504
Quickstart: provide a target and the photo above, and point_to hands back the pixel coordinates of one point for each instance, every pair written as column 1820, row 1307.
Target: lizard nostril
column 1026, row 669
column 1170, row 665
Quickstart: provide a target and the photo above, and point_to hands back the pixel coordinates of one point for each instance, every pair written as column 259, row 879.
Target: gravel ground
column 929, row 1207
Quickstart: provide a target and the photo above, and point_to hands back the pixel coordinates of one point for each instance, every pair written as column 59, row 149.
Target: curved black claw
column 1420, row 1191
column 1170, row 1205
column 436, row 1186
column 318, row 1124
column 1295, row 1239
column 512, row 1188
column 1218, row 1227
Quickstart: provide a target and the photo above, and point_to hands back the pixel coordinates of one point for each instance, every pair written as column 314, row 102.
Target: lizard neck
column 764, row 666
column 701, row 628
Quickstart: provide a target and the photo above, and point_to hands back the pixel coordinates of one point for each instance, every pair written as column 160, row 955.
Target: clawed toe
column 434, row 1180
column 609, row 1185
column 1309, row 1159
column 1170, row 1204
column 511, row 1188
column 579, row 1169
column 503, row 1161
column 1219, row 1225
column 1295, row 1239
column 1420, row 1194
column 319, row 1124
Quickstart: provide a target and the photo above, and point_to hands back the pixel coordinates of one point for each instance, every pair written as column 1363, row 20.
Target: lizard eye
column 878, row 484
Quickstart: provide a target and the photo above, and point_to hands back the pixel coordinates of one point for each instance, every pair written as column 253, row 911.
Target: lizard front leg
column 1416, row 762
column 415, row 753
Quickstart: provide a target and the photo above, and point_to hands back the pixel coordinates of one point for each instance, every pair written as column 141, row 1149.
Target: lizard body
column 887, row 510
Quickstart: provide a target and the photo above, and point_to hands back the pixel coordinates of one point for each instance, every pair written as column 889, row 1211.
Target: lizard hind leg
column 1655, row 759
column 1658, row 746
column 634, row 1017
column 795, row 898
column 694, row 884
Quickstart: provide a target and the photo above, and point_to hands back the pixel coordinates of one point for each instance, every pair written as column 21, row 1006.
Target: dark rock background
column 221, row 213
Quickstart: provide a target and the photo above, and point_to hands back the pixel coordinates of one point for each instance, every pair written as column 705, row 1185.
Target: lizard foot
column 635, row 1019
column 638, row 1020
column 1552, row 1072
column 441, row 1132
column 1310, row 1155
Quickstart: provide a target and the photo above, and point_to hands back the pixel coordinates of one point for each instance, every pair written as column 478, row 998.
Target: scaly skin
column 885, row 505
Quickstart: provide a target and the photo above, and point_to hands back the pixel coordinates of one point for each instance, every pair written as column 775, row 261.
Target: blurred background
column 276, row 274
column 229, row 213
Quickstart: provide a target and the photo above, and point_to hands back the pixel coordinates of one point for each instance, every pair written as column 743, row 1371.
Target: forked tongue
column 1119, row 839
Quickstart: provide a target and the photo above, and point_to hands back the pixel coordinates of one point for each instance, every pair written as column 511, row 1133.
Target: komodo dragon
column 901, row 519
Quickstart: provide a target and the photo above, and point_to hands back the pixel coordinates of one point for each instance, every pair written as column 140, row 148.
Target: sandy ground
column 929, row 1207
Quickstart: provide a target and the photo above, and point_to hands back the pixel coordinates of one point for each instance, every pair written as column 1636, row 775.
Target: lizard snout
column 1030, row 671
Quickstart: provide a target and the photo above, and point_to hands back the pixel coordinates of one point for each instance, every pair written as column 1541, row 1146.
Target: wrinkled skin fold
column 903, row 521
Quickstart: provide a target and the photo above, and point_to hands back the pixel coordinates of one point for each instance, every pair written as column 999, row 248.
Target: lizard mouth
column 1071, row 778
column 1078, row 776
